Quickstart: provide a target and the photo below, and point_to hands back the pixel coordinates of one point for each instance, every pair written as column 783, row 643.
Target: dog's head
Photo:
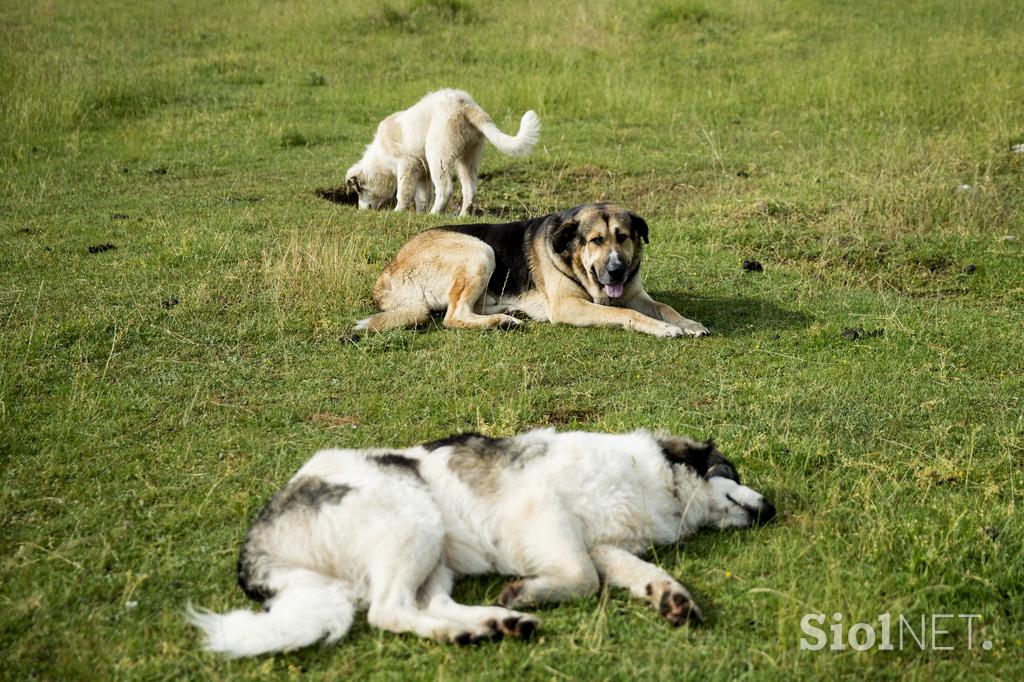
column 726, row 502
column 602, row 243
column 373, row 189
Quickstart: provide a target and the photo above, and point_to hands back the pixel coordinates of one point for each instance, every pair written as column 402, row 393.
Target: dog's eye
column 597, row 241
column 620, row 237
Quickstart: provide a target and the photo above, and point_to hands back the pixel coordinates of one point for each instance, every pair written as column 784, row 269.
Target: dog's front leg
column 584, row 313
column 646, row 581
column 408, row 172
column 646, row 305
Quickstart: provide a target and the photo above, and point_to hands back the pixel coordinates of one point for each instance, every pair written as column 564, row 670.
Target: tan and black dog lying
column 580, row 266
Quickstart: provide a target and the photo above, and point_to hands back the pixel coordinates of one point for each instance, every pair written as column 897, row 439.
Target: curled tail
column 311, row 608
column 520, row 145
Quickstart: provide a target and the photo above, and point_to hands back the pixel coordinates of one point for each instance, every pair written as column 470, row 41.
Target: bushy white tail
column 521, row 144
column 309, row 610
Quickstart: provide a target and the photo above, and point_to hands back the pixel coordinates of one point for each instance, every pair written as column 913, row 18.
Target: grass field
column 154, row 394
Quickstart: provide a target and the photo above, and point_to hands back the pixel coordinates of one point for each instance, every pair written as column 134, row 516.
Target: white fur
column 442, row 133
column 566, row 511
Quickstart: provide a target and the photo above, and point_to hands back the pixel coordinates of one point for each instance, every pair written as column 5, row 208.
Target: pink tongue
column 614, row 290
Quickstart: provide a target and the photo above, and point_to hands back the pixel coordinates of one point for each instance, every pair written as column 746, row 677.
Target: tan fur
column 439, row 270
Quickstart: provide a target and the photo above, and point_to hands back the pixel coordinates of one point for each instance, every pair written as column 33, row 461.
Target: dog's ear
column 639, row 226
column 354, row 179
column 703, row 458
column 563, row 234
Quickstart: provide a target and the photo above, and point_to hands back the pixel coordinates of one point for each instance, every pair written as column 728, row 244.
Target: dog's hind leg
column 436, row 593
column 556, row 555
column 422, row 192
column 400, row 567
column 439, row 163
column 468, row 287
column 442, row 179
column 648, row 582
column 466, row 167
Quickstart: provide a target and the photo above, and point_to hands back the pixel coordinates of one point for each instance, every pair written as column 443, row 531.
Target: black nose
column 765, row 514
column 616, row 272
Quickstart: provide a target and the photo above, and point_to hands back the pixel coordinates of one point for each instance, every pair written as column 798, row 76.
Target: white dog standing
column 389, row 530
column 442, row 133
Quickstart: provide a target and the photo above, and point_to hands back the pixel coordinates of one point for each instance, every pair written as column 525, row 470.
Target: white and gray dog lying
column 389, row 530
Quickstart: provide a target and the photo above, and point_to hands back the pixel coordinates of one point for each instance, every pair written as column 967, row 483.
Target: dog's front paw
column 674, row 603
column 664, row 330
column 693, row 328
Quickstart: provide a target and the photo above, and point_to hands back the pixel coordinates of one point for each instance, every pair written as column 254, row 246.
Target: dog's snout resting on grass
column 390, row 530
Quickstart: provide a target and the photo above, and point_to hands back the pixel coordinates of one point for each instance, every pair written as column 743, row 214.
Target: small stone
column 963, row 188
column 852, row 333
column 753, row 266
column 970, row 269
column 1018, row 148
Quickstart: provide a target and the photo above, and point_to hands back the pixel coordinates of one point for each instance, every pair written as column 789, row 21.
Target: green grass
column 152, row 396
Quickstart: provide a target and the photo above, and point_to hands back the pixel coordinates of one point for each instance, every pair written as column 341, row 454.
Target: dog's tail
column 311, row 608
column 409, row 316
column 520, row 145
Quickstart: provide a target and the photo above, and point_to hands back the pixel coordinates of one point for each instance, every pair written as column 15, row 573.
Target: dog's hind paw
column 511, row 595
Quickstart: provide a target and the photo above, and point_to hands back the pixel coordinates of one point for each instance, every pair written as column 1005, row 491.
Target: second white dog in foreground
column 389, row 531
column 442, row 133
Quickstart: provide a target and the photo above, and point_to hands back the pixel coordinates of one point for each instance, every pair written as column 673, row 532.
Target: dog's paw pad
column 678, row 608
column 521, row 626
column 526, row 627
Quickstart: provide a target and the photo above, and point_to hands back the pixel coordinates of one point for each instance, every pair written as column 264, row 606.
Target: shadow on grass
column 727, row 316
column 735, row 315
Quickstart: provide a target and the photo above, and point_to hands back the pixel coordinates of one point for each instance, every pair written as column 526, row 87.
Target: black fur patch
column 306, row 494
column 510, row 242
column 250, row 578
column 703, row 458
column 460, row 439
column 400, row 462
